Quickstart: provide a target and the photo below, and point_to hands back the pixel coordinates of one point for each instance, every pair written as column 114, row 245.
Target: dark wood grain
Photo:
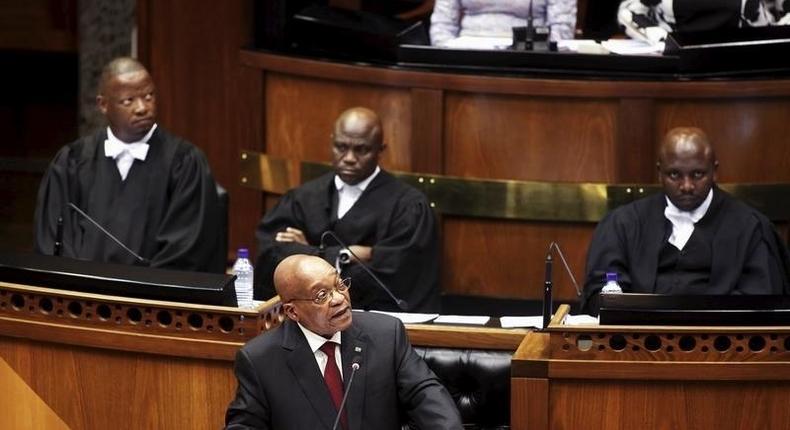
column 671, row 405
column 300, row 117
column 204, row 93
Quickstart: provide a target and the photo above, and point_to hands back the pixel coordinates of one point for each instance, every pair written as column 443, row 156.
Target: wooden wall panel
column 530, row 138
column 204, row 93
column 300, row 116
column 750, row 136
column 507, row 259
column 636, row 157
column 529, row 404
column 601, row 405
column 524, row 138
column 21, row 408
column 157, row 391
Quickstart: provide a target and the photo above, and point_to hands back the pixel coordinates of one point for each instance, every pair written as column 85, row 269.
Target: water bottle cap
column 611, row 276
column 243, row 253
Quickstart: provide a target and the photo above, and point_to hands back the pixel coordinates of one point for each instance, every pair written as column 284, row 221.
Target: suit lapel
column 301, row 361
column 354, row 349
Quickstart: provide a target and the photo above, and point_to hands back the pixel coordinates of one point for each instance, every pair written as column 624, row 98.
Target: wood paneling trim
column 143, row 9
column 118, row 340
column 21, row 408
column 669, row 371
column 395, row 77
column 529, row 404
column 427, row 126
column 465, row 337
column 633, row 154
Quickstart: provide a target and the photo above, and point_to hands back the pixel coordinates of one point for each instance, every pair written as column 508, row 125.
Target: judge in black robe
column 733, row 248
column 165, row 210
column 392, row 218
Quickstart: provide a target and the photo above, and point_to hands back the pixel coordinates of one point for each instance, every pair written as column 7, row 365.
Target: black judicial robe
column 392, row 217
column 166, row 210
column 747, row 255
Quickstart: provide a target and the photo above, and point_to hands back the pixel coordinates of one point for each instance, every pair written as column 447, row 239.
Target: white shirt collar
column 362, row 185
column 316, row 340
column 145, row 139
column 693, row 215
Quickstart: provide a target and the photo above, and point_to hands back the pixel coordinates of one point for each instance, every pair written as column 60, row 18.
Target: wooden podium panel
column 135, row 368
column 621, row 377
column 113, row 362
column 20, row 407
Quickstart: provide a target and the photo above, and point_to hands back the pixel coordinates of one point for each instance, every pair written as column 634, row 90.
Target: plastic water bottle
column 611, row 286
column 242, row 268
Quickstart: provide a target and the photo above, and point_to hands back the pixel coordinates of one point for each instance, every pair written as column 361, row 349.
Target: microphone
column 548, row 304
column 58, row 238
column 548, row 285
column 532, row 38
column 400, row 302
column 354, row 368
column 140, row 260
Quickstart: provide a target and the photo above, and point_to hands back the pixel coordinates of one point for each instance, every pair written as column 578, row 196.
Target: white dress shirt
column 349, row 194
column 316, row 341
column 124, row 153
column 683, row 221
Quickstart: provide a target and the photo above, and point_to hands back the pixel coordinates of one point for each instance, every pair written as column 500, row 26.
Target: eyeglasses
column 323, row 295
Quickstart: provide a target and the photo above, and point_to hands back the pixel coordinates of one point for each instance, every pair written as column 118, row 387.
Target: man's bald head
column 361, row 123
column 301, row 280
column 685, row 141
column 357, row 142
column 686, row 167
column 297, row 271
column 117, row 67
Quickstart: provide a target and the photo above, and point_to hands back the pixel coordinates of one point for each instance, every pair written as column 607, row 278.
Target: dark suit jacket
column 281, row 387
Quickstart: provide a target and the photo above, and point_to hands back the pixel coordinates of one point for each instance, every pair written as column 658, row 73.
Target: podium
column 100, row 361
column 651, row 377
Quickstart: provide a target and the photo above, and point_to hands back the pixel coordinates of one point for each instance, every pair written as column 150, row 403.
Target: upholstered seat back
column 478, row 380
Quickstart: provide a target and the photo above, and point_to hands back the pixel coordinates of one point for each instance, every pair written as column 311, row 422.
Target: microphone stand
column 354, row 368
column 140, row 259
column 531, row 38
column 548, row 304
column 58, row 238
column 400, row 302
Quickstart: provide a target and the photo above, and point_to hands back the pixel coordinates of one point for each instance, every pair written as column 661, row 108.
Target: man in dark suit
column 286, row 380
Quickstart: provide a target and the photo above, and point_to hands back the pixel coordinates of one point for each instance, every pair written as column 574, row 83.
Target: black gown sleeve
column 188, row 235
column 607, row 253
column 763, row 269
column 286, row 213
column 406, row 259
column 51, row 203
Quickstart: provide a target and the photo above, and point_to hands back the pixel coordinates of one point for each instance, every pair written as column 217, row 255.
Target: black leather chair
column 478, row 380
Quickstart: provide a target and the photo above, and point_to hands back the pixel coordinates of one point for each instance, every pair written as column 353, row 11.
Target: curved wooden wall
column 503, row 127
column 526, row 129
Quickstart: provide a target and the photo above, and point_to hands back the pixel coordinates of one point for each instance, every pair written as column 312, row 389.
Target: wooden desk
column 619, row 377
column 149, row 364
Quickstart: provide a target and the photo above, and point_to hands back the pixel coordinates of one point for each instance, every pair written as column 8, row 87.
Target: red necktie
column 333, row 381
